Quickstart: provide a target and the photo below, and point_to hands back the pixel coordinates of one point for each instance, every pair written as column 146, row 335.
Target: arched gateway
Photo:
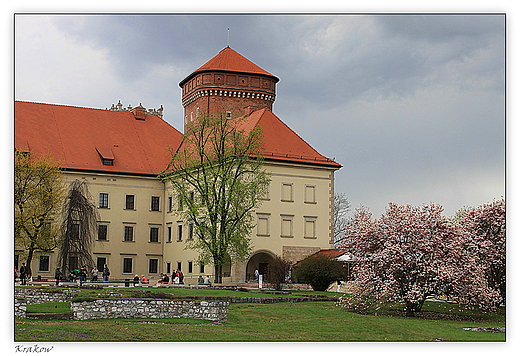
column 259, row 260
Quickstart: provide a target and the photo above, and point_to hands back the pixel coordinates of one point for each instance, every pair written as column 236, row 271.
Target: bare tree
column 341, row 208
column 279, row 272
column 79, row 225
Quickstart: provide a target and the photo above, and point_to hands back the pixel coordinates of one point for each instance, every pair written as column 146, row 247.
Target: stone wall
column 39, row 296
column 152, row 308
column 20, row 307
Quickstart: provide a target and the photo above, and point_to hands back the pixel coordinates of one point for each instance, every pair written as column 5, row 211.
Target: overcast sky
column 412, row 106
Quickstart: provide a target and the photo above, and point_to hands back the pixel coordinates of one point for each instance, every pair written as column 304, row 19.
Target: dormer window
column 106, row 155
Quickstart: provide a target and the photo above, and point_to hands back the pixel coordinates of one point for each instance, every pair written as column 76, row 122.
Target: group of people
column 177, row 278
column 24, row 274
column 80, row 275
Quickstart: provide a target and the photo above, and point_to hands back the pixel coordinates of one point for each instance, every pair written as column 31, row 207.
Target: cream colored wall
column 116, row 216
column 294, row 247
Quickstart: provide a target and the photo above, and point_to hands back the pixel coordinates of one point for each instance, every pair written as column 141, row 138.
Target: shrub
column 319, row 271
column 278, row 272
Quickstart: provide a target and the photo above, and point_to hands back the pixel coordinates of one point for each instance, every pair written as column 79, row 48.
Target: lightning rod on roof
column 228, row 36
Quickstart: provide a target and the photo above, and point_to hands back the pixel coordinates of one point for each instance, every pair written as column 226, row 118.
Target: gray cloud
column 412, row 106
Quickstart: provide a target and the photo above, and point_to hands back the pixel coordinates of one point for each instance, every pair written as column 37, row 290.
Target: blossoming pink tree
column 486, row 227
column 410, row 253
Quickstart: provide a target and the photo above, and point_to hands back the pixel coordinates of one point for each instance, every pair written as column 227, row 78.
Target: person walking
column 57, row 276
column 106, row 273
column 181, row 276
column 24, row 272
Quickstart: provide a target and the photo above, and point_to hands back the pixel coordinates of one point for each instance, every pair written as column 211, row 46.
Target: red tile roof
column 79, row 137
column 331, row 253
column 230, row 60
column 283, row 144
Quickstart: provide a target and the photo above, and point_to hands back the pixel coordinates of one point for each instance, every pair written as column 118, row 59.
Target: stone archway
column 259, row 260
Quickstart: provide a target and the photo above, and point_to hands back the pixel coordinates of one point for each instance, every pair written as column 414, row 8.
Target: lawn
column 302, row 321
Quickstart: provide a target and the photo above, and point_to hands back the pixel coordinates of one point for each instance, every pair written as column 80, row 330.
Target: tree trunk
column 413, row 307
column 218, row 274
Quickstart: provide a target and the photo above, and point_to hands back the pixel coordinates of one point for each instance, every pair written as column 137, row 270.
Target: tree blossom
column 410, row 253
column 485, row 228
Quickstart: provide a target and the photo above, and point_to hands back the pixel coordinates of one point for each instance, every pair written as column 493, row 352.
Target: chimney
column 139, row 112
column 248, row 110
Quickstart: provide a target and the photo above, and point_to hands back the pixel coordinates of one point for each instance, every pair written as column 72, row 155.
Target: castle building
column 119, row 153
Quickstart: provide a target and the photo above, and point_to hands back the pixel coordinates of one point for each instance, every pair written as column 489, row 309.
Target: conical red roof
column 231, row 61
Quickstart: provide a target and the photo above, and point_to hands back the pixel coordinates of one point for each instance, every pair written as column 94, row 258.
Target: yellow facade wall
column 293, row 221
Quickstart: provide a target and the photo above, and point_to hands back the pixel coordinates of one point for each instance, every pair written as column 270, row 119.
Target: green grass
column 308, row 321
column 56, row 307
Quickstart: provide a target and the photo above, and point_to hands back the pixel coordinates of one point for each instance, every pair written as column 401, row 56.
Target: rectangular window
column 287, row 192
column 102, row 232
column 155, row 203
column 100, row 263
column 310, row 227
column 168, row 267
column 129, row 233
column 170, row 204
column 180, row 205
column 287, row 225
column 179, row 265
column 169, row 233
column 73, row 262
column 130, row 202
column 262, row 224
column 44, row 264
column 74, row 231
column 190, row 267
column 201, row 268
column 179, row 232
column 153, row 265
column 154, row 234
column 127, row 265
column 103, row 200
column 190, row 231
column 310, row 194
column 267, row 193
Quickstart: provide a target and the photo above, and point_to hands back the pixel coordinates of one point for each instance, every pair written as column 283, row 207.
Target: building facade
column 119, row 153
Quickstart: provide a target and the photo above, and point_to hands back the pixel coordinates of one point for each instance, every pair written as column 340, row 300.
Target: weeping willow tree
column 79, row 225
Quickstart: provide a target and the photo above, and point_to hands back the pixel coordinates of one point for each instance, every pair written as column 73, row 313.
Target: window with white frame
column 103, row 200
column 130, row 202
column 128, row 233
column 102, row 234
column 153, row 265
column 44, row 264
column 128, row 265
column 155, row 203
column 179, row 231
column 154, row 234
column 169, row 233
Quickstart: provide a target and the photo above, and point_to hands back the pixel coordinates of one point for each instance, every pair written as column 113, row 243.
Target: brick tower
column 229, row 85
